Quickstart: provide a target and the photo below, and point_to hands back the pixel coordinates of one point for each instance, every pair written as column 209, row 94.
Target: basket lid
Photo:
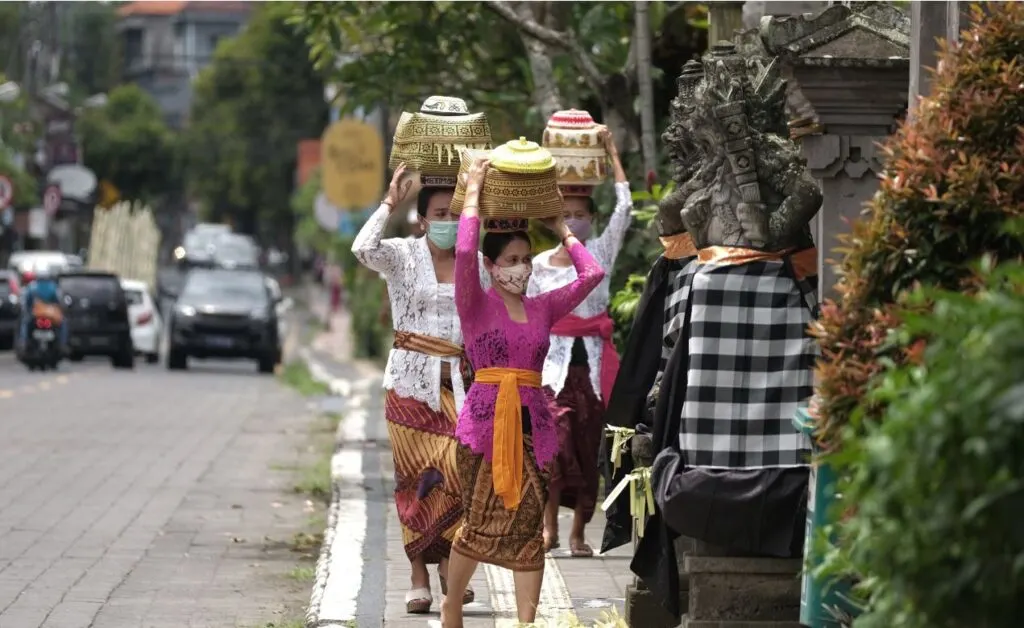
column 445, row 106
column 571, row 119
column 522, row 156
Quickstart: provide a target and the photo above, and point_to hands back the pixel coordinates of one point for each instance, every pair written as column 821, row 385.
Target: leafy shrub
column 939, row 484
column 955, row 174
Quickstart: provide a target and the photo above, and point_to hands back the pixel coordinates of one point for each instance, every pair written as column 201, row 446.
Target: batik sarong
column 579, row 414
column 513, row 539
column 427, row 491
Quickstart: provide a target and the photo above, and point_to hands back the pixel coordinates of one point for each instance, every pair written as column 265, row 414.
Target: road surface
column 148, row 497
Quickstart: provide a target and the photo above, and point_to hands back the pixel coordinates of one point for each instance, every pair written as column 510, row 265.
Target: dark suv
column 224, row 314
column 10, row 308
column 97, row 317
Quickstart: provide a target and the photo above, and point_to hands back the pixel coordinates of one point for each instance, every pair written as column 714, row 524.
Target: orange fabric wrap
column 678, row 246
column 805, row 261
column 507, row 453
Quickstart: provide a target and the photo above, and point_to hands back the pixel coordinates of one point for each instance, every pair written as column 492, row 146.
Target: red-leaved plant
column 954, row 177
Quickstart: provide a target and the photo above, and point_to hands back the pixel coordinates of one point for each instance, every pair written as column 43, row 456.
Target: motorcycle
column 42, row 350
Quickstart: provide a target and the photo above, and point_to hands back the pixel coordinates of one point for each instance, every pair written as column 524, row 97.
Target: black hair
column 495, row 242
column 423, row 200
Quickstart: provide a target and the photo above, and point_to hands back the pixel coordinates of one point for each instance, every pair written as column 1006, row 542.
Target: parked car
column 10, row 308
column 224, row 314
column 144, row 318
column 97, row 317
column 24, row 261
column 236, row 251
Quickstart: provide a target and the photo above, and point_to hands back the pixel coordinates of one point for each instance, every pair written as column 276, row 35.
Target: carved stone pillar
column 852, row 64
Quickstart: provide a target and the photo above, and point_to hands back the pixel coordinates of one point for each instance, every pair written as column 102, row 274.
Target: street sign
column 109, row 194
column 352, row 164
column 6, row 191
column 51, row 200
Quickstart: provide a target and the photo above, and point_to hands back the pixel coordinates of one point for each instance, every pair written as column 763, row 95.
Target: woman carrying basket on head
column 424, row 380
column 582, row 363
column 506, row 434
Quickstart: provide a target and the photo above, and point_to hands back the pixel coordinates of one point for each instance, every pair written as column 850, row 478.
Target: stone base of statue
column 727, row 590
column 643, row 609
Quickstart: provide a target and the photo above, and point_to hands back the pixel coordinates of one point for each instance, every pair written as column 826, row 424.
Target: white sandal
column 418, row 601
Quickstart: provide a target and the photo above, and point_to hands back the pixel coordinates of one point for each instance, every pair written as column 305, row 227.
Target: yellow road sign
column 352, row 164
column 109, row 194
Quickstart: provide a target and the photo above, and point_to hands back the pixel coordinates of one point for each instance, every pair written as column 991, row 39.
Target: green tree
column 519, row 61
column 93, row 55
column 258, row 98
column 127, row 143
column 26, row 192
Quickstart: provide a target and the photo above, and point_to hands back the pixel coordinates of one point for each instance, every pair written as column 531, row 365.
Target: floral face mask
column 512, row 278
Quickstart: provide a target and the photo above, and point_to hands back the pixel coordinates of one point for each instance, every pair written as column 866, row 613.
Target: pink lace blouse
column 493, row 339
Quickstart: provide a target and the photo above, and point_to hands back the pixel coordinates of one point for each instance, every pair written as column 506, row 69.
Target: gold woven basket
column 520, row 182
column 430, row 144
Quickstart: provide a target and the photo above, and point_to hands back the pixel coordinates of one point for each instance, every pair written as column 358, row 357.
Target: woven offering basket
column 520, row 183
column 573, row 139
column 430, row 143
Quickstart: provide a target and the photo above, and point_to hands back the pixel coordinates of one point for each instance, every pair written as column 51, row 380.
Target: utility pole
column 648, row 145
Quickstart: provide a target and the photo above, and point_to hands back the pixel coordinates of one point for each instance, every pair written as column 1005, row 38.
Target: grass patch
column 302, row 574
column 327, row 422
column 315, row 480
column 296, row 374
column 307, row 543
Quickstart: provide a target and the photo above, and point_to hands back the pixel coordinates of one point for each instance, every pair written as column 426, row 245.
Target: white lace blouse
column 419, row 304
column 546, row 277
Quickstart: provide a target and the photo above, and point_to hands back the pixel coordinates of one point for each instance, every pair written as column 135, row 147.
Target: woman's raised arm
column 469, row 295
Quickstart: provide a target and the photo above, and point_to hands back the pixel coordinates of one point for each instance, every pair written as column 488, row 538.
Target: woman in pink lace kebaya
column 507, row 437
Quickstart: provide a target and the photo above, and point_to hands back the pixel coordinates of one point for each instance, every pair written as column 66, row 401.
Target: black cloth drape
column 638, row 367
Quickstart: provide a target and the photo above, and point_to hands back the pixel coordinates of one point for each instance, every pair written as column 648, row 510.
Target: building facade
column 166, row 44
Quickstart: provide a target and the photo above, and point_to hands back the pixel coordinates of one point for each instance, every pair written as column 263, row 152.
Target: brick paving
column 148, row 498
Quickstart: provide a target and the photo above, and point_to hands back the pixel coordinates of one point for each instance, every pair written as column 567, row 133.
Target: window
column 133, row 46
column 100, row 288
column 134, row 297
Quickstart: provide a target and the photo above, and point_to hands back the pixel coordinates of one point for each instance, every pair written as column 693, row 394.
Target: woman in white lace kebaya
column 424, row 379
column 581, row 363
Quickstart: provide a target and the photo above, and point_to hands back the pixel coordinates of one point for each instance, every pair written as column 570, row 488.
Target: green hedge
column 936, row 535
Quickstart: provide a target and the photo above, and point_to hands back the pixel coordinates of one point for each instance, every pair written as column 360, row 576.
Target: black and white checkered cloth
column 750, row 363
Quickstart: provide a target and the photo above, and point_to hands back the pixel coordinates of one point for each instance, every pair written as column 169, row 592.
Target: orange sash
column 678, row 246
column 438, row 348
column 805, row 262
column 507, row 456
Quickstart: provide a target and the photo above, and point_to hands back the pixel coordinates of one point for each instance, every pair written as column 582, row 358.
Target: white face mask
column 512, row 278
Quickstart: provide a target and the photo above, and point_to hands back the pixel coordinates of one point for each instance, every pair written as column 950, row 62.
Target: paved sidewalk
column 364, row 575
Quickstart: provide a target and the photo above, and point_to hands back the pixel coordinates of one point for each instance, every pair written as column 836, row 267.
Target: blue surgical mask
column 443, row 234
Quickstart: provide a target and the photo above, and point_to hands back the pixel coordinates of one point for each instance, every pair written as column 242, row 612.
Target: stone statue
column 741, row 181
column 728, row 471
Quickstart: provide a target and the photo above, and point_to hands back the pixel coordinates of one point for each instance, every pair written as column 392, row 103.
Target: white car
column 144, row 316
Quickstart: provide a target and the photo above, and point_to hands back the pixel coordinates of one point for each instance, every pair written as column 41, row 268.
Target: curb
column 351, row 431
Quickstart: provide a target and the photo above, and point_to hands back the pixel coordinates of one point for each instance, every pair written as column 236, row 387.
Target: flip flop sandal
column 581, row 551
column 418, row 601
column 555, row 544
column 467, row 598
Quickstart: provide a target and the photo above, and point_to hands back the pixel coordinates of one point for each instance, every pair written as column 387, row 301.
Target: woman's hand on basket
column 398, row 190
column 557, row 225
